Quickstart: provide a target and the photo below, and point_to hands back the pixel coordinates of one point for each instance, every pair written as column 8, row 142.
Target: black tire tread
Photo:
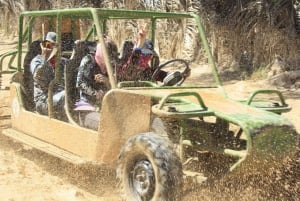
column 165, row 162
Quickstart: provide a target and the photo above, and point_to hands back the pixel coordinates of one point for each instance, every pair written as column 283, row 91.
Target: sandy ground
column 27, row 174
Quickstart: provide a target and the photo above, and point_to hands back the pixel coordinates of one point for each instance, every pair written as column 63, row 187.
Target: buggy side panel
column 74, row 139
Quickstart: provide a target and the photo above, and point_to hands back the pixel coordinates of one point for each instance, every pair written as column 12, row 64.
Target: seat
column 34, row 49
column 126, row 51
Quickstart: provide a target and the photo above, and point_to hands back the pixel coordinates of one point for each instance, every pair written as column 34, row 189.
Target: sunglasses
column 48, row 44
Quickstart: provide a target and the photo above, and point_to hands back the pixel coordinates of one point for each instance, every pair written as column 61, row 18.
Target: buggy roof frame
column 108, row 13
column 100, row 16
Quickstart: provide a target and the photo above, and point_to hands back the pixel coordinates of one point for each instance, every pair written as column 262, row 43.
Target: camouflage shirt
column 85, row 82
column 43, row 73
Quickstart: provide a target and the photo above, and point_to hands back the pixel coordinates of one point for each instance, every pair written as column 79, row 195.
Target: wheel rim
column 142, row 180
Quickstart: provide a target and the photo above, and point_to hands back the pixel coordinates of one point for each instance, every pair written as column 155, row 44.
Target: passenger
column 92, row 77
column 143, row 61
column 42, row 67
column 92, row 83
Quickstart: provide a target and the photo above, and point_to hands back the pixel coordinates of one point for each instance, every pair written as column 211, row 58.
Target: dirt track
column 28, row 174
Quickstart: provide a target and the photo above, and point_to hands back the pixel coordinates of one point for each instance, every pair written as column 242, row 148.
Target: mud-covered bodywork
column 268, row 137
column 142, row 120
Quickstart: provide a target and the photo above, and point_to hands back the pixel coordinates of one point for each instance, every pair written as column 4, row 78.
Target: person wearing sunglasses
column 42, row 68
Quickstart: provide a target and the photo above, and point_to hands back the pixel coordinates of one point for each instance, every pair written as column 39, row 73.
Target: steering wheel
column 172, row 78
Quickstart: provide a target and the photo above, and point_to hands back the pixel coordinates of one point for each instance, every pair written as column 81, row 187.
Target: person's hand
column 47, row 52
column 99, row 78
column 142, row 35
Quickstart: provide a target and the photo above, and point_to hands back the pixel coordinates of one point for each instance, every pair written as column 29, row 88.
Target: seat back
column 34, row 49
column 126, row 51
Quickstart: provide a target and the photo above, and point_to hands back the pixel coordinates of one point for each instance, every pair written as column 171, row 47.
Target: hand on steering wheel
column 173, row 78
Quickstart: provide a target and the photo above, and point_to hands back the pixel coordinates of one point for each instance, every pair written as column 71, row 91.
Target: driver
column 137, row 65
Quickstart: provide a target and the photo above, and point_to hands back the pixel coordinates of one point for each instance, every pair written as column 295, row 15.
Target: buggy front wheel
column 149, row 170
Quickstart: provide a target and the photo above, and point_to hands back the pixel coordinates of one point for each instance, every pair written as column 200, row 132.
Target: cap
column 148, row 44
column 50, row 36
column 147, row 48
column 146, row 52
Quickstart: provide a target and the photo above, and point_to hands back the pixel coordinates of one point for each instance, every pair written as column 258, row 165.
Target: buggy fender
column 123, row 114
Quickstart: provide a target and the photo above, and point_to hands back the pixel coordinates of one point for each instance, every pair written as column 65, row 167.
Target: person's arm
column 142, row 36
column 41, row 71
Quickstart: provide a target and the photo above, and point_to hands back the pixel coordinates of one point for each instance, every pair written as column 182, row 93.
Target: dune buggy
column 148, row 131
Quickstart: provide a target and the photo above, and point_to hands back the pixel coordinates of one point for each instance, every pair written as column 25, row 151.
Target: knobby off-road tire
column 149, row 170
